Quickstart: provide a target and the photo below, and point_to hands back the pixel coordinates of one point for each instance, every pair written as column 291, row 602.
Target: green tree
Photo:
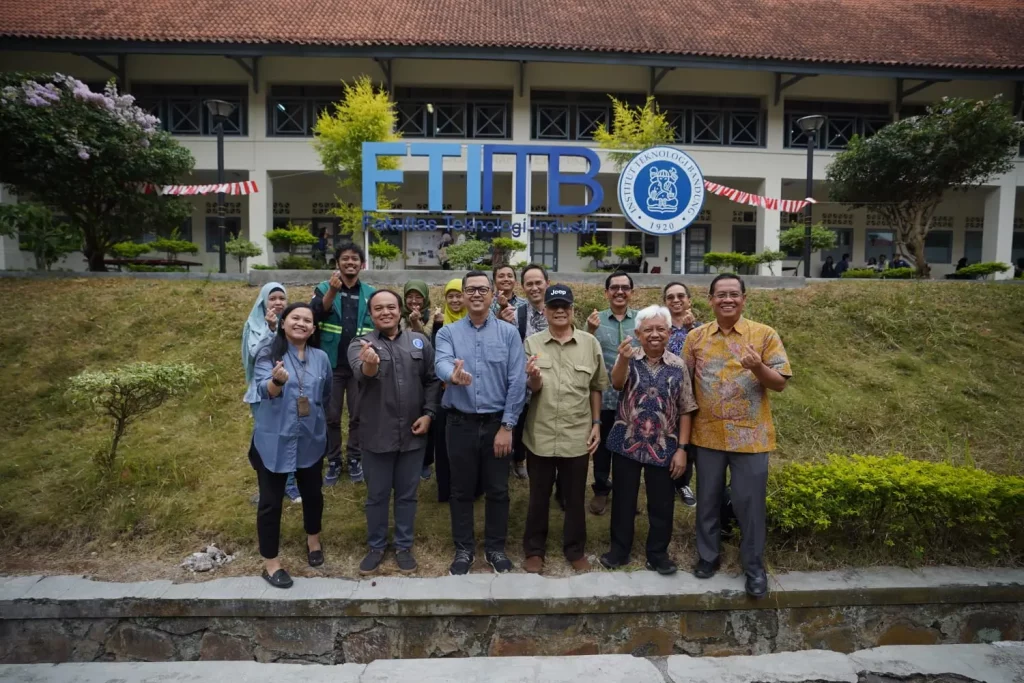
column 37, row 231
column 593, row 250
column 792, row 239
column 628, row 254
column 770, row 258
column 502, row 249
column 634, row 129
column 364, row 114
column 241, row 249
column 292, row 236
column 732, row 260
column 904, row 170
column 174, row 245
column 84, row 154
column 130, row 250
column 383, row 252
column 466, row 254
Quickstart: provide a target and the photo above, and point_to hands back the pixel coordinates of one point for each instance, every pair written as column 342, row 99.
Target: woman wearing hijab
column 293, row 380
column 259, row 329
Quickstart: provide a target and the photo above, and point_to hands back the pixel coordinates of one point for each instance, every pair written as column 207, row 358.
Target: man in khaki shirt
column 566, row 374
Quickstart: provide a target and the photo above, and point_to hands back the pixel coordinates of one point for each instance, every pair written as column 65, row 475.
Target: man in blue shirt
column 482, row 363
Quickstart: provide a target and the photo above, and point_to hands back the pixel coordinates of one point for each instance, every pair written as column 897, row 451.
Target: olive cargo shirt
column 558, row 420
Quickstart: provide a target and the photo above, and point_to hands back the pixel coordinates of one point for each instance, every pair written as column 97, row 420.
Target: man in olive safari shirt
column 566, row 373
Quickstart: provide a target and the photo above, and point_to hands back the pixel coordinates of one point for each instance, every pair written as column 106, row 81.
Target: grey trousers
column 387, row 472
column 749, row 490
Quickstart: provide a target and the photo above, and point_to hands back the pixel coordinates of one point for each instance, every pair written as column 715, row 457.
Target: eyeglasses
column 620, row 288
column 722, row 296
column 470, row 291
column 676, row 297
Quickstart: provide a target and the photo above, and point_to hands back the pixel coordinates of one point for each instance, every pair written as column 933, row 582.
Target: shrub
column 593, row 250
column 519, row 265
column 292, row 262
column 740, row 263
column 241, row 249
column 503, row 248
column 911, row 508
column 898, row 274
column 174, row 245
column 383, row 252
column 260, row 266
column 292, row 236
column 130, row 249
column 465, row 254
column 983, row 269
column 771, row 258
column 143, row 268
column 861, row 273
column 628, row 254
column 125, row 394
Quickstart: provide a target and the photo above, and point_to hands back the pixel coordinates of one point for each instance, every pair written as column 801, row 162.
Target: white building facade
column 736, row 120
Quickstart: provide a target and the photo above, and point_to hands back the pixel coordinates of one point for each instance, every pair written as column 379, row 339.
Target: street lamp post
column 219, row 112
column 810, row 125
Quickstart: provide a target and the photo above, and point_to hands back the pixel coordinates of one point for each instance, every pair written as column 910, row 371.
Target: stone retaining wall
column 335, row 621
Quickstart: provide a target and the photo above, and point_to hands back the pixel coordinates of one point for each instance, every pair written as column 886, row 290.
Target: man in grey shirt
column 398, row 401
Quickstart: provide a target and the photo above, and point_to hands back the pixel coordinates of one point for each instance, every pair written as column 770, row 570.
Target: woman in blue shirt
column 293, row 380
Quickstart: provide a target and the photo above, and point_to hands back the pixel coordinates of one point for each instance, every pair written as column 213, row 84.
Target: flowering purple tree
column 84, row 154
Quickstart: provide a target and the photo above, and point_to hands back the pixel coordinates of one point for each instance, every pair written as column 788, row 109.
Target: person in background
column 1019, row 270
column 828, row 269
column 734, row 362
column 651, row 431
column 258, row 330
column 481, row 361
column 293, row 379
column 566, row 375
column 340, row 307
column 395, row 369
column 883, row 263
column 416, row 317
column 610, row 327
column 843, row 266
column 452, row 312
column 676, row 297
column 442, row 250
column 505, row 297
column 873, row 263
column 961, row 264
column 899, row 262
column 529, row 319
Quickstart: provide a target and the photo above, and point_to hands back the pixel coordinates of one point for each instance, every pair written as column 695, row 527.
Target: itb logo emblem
column 661, row 191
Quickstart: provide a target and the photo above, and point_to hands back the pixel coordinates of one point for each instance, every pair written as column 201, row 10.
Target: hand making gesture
column 271, row 321
column 335, row 281
column 459, row 376
column 749, row 357
column 370, row 359
column 626, row 349
column 438, row 315
column 279, row 374
column 508, row 314
column 502, row 301
column 593, row 322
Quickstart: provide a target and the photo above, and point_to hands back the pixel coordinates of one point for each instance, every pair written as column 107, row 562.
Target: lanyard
column 300, row 371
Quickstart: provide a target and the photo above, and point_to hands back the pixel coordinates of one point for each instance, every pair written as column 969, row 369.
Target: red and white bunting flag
column 241, row 188
column 769, row 203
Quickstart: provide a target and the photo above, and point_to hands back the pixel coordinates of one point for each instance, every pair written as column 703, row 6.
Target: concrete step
column 994, row 663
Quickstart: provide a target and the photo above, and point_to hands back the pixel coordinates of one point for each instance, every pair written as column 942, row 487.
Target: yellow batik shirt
column 733, row 411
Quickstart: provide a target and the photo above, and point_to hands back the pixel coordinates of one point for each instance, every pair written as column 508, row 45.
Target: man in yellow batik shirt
column 734, row 362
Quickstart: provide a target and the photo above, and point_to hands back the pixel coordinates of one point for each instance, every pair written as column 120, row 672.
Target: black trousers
column 603, row 457
column 344, row 389
column 268, row 511
column 660, row 506
column 571, row 474
column 471, row 457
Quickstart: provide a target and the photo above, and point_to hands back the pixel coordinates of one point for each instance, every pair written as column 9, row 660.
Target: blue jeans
column 384, row 473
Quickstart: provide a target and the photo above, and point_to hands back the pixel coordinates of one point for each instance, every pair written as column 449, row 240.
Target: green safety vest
column 331, row 329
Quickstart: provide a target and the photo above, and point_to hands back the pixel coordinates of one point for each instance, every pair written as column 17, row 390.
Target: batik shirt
column 655, row 396
column 734, row 414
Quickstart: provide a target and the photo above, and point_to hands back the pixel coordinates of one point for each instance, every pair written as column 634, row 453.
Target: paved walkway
column 996, row 663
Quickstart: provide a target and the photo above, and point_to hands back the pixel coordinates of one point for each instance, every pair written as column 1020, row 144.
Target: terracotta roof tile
column 948, row 33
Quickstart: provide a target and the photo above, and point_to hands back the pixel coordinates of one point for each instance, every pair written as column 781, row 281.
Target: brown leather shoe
column 581, row 565
column 533, row 564
column 598, row 504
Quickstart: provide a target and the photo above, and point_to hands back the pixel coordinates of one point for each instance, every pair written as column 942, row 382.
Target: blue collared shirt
column 493, row 354
column 285, row 441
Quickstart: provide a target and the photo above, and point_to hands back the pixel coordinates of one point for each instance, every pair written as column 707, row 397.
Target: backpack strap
column 521, row 314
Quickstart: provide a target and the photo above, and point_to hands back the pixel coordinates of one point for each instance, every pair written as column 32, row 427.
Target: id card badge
column 302, row 402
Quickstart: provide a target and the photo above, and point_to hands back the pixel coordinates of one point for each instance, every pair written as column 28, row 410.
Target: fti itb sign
column 661, row 190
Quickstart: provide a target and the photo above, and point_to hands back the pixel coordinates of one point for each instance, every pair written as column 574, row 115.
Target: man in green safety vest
column 339, row 305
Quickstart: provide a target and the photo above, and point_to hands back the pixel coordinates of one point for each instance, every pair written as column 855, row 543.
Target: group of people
column 831, row 269
column 493, row 384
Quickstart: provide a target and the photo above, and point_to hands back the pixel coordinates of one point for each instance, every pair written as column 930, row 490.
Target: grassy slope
column 930, row 370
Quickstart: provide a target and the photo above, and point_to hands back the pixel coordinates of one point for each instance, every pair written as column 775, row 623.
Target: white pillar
column 769, row 223
column 997, row 235
column 10, row 255
column 261, row 215
column 521, row 135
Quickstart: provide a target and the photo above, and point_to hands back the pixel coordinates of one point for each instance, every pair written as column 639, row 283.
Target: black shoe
column 757, row 585
column 280, row 579
column 405, row 561
column 609, row 562
column 686, row 495
column 315, row 557
column 705, row 570
column 463, row 561
column 499, row 562
column 371, row 562
column 664, row 566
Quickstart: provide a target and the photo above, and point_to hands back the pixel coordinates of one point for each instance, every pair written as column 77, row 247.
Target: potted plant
column 383, row 252
column 595, row 251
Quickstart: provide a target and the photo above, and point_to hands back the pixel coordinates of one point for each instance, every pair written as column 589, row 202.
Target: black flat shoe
column 705, row 570
column 664, row 566
column 757, row 586
column 280, row 579
column 315, row 557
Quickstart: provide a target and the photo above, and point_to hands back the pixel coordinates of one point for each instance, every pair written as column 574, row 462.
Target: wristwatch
column 509, row 425
column 595, row 422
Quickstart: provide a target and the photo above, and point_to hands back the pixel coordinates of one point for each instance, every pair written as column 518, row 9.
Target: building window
column 843, row 120
column 744, row 239
column 182, row 108
column 844, row 244
column 707, row 127
column 232, row 227
column 551, row 122
column 938, row 246
column 972, row 246
column 436, row 113
column 544, row 248
column 184, row 233
column 292, row 110
column 648, row 244
column 697, row 244
column 604, row 238
column 878, row 243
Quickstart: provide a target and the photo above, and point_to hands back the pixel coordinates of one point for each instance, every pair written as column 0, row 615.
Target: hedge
column 912, row 509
